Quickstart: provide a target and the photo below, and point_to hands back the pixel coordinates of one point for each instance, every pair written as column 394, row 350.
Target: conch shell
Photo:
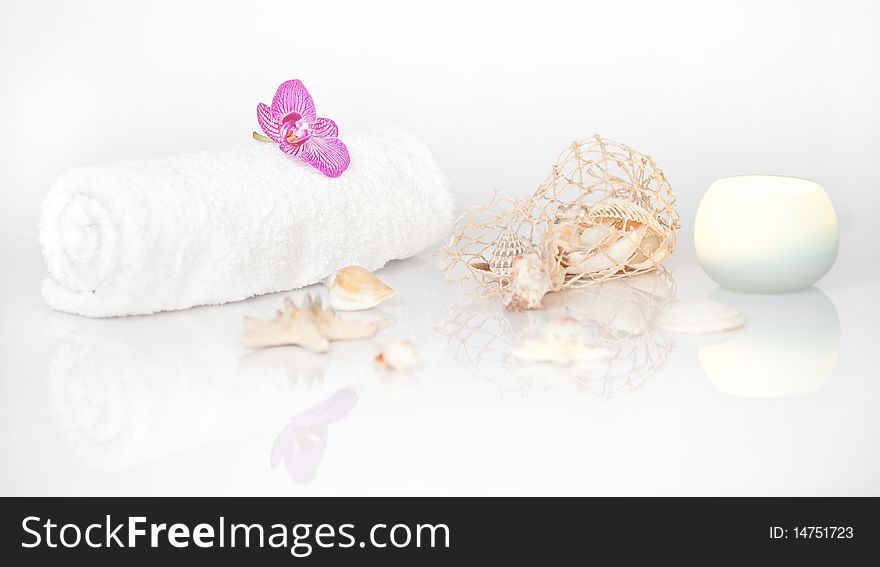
column 530, row 280
column 355, row 288
column 310, row 326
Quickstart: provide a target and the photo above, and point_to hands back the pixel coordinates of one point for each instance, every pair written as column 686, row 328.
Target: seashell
column 529, row 283
column 620, row 213
column 507, row 246
column 573, row 213
column 617, row 254
column 562, row 238
column 399, row 355
column 309, row 326
column 593, row 236
column 355, row 288
column 699, row 316
column 651, row 251
column 562, row 342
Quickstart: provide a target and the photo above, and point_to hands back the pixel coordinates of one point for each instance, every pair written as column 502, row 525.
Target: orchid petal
column 290, row 149
column 267, row 123
column 304, row 455
column 327, row 155
column 292, row 96
column 280, row 446
column 324, row 127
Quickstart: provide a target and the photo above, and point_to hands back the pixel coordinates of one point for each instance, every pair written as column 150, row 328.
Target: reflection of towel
column 128, row 391
column 141, row 236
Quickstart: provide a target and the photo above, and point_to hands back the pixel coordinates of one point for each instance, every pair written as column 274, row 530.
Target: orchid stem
column 261, row 138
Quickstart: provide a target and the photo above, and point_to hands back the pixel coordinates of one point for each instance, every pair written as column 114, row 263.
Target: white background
column 496, row 89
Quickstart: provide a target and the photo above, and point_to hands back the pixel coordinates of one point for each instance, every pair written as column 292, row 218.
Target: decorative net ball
column 606, row 211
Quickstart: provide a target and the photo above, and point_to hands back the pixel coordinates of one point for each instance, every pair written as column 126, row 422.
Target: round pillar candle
column 766, row 233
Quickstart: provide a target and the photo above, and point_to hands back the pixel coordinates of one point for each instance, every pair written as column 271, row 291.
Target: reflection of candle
column 789, row 345
column 765, row 233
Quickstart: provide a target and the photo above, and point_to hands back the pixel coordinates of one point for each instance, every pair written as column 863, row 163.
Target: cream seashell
column 616, row 254
column 621, row 213
column 699, row 316
column 355, row 288
column 560, row 239
column 562, row 342
column 651, row 251
column 529, row 283
column 399, row 355
column 507, row 246
column 592, row 236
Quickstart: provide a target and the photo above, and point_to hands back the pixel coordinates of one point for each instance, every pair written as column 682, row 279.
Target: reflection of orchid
column 301, row 443
column 293, row 124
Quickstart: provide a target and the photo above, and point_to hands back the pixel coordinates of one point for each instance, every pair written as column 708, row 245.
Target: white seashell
column 507, row 246
column 616, row 254
column 651, row 251
column 310, row 326
column 529, row 283
column 562, row 238
column 699, row 316
column 399, row 355
column 355, row 288
column 592, row 236
column 562, row 342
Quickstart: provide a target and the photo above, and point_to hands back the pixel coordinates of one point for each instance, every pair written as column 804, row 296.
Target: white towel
column 204, row 228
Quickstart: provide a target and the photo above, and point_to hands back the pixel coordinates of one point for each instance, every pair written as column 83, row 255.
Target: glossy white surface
column 172, row 404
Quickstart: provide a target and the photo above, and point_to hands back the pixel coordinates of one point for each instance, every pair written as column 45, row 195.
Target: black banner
column 109, row 531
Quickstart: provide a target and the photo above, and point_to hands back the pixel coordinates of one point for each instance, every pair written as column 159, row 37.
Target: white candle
column 766, row 233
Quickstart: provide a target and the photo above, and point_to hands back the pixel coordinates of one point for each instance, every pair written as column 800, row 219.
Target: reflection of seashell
column 399, row 355
column 310, row 326
column 618, row 252
column 562, row 343
column 507, row 246
column 356, row 288
column 529, row 282
column 699, row 316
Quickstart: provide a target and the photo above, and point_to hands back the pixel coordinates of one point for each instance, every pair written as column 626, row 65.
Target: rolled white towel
column 204, row 228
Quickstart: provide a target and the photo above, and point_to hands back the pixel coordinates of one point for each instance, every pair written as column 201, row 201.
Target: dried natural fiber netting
column 605, row 211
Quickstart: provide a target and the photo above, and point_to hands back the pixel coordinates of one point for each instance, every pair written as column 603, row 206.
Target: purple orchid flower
column 293, row 124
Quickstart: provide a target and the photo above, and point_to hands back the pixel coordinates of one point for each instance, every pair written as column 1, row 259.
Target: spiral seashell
column 507, row 246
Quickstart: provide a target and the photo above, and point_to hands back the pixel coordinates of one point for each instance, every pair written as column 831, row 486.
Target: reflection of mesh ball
column 629, row 368
column 618, row 316
column 481, row 336
column 623, row 308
